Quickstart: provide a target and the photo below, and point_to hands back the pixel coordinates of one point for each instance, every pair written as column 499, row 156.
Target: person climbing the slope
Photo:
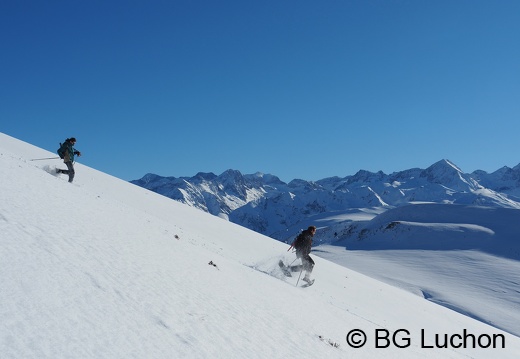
column 303, row 244
column 67, row 153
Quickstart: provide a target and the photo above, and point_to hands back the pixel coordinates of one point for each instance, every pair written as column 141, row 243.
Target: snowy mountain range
column 272, row 207
column 101, row 268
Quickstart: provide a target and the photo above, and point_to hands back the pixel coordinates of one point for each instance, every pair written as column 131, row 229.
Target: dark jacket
column 303, row 243
column 70, row 151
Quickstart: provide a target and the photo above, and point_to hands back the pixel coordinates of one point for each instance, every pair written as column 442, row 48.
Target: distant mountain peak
column 209, row 176
column 263, row 203
column 446, row 173
column 445, row 164
column 366, row 176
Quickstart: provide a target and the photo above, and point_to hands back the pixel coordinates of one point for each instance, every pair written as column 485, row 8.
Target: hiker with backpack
column 67, row 153
column 302, row 244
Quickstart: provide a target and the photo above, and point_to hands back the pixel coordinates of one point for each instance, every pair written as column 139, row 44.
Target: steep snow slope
column 103, row 268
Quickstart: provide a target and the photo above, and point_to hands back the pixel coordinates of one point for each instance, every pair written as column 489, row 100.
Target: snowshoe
column 284, row 269
column 308, row 282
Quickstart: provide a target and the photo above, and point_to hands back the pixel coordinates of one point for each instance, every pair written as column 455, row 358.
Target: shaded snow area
column 476, row 284
column 101, row 268
column 463, row 257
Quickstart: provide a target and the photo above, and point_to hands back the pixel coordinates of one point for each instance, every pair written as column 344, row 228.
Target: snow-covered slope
column 505, row 180
column 463, row 257
column 104, row 269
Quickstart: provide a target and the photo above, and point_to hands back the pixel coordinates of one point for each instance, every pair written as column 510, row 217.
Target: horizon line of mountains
column 265, row 204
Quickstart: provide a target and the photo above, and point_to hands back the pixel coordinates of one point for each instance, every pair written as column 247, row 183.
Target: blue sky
column 298, row 89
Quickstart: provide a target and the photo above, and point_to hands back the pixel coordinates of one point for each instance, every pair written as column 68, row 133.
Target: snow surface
column 101, row 268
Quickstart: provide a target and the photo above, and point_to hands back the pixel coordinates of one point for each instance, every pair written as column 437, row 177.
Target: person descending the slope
column 303, row 244
column 67, row 152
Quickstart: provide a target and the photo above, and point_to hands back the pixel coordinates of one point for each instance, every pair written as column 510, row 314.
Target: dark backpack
column 63, row 148
column 299, row 242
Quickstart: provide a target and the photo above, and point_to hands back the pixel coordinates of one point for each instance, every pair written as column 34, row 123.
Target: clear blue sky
column 299, row 89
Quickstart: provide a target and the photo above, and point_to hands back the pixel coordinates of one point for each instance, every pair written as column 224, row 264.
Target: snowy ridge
column 444, row 226
column 104, row 269
column 269, row 206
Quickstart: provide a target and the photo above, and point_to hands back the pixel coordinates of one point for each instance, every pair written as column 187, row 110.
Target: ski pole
column 292, row 262
column 299, row 276
column 48, row 158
